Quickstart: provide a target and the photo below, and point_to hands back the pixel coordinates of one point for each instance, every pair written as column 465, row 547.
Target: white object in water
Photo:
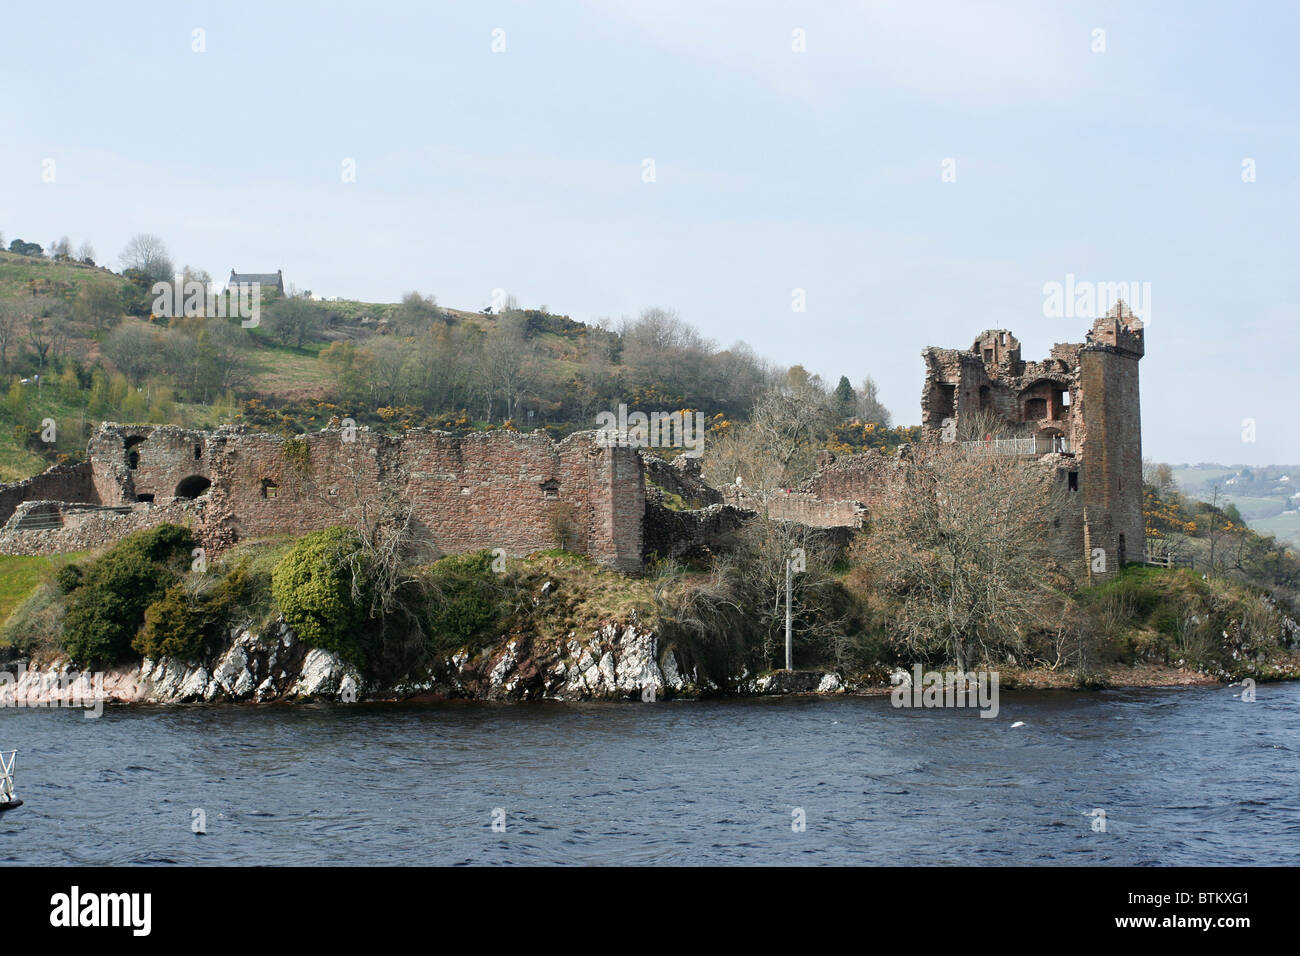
column 1018, row 723
column 7, row 801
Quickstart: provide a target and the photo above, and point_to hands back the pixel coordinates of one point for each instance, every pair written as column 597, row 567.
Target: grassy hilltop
column 80, row 344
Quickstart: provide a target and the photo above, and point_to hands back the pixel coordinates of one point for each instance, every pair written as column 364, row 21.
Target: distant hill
column 1268, row 497
column 80, row 344
column 28, row 275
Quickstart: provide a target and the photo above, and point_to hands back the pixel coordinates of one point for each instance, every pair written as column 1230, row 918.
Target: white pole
column 789, row 647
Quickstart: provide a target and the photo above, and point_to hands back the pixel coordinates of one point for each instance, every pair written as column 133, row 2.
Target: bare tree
column 133, row 349
column 508, row 364
column 869, row 407
column 219, row 359
column 416, row 313
column 193, row 274
column 740, row 606
column 741, row 458
column 596, row 381
column 664, row 356
column 97, row 304
column 47, row 330
column 390, row 542
column 980, row 424
column 1159, row 476
column 147, row 253
column 392, row 356
column 778, row 446
column 13, row 319
column 961, row 545
column 294, row 320
column 1216, row 527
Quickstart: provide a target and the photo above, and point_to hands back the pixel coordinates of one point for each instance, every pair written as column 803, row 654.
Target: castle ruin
column 520, row 493
column 1076, row 412
column 1081, row 403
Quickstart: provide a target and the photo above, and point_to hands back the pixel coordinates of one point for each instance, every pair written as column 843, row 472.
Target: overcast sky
column 774, row 170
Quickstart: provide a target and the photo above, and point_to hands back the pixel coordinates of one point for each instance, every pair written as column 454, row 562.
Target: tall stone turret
column 1109, row 436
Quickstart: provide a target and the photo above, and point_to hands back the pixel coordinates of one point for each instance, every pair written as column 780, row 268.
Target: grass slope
column 20, row 576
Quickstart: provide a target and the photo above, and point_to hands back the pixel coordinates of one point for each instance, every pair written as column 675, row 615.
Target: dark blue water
column 1188, row 776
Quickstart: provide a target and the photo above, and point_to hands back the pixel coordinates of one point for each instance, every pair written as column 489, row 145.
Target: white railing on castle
column 1158, row 560
column 1019, row 446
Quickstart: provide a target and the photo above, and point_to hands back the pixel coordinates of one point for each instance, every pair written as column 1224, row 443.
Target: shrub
column 176, row 625
column 313, row 586
column 1178, row 616
column 36, row 625
column 68, row 578
column 107, row 608
column 464, row 600
column 191, row 615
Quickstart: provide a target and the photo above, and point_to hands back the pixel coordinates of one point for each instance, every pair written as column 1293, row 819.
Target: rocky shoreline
column 616, row 662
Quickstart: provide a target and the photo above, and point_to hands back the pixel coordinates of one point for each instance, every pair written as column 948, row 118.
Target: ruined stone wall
column 860, row 478
column 682, row 477
column 499, row 489
column 800, row 507
column 1067, row 536
column 1026, row 399
column 90, row 530
column 523, row 493
column 690, row 534
column 152, row 473
column 69, row 482
column 1086, row 393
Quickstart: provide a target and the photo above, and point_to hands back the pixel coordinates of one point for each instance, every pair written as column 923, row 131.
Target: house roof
column 262, row 278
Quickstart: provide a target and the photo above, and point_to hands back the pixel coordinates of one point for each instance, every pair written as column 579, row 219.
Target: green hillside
column 1267, row 498
column 80, row 344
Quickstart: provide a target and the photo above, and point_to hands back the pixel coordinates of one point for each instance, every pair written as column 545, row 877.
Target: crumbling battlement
column 798, row 507
column 988, row 390
column 1076, row 413
column 500, row 489
column 858, row 478
column 840, row 494
column 680, row 477
column 1082, row 402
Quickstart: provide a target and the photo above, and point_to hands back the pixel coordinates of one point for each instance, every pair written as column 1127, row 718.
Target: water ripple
column 1185, row 776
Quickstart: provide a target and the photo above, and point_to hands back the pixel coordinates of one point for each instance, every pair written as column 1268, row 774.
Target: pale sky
column 774, row 170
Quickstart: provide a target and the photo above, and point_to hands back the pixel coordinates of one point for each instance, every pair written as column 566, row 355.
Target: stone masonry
column 1076, row 412
column 507, row 490
column 1081, row 406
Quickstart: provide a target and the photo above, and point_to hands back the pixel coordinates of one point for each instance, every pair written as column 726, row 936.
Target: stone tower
column 1109, row 436
column 1080, row 406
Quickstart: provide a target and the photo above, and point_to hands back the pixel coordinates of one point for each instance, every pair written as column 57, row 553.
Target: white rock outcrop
column 616, row 661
